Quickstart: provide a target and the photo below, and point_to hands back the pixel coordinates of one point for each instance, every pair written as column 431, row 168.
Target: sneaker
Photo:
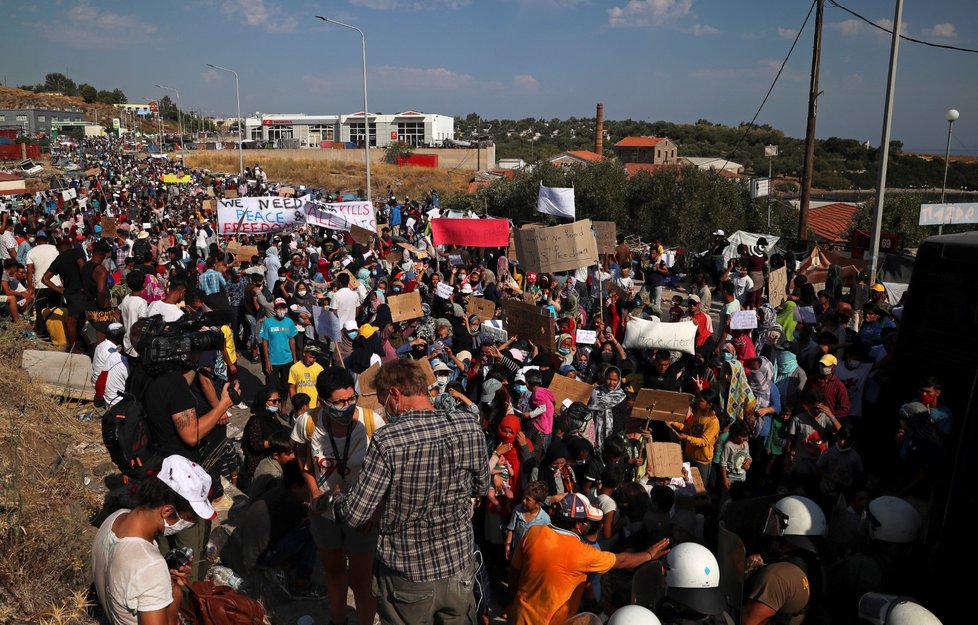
column 311, row 592
column 279, row 580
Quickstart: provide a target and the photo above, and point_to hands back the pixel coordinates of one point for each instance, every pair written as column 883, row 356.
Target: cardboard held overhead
column 429, row 373
column 286, row 192
column 405, row 306
column 208, row 205
column 643, row 334
column 417, row 252
column 664, row 459
column 242, row 253
column 568, row 388
column 360, row 235
column 605, row 232
column 485, row 308
column 109, row 230
column 777, row 286
column 230, row 193
column 93, row 172
column 367, row 389
column 529, row 322
column 661, row 405
column 560, row 248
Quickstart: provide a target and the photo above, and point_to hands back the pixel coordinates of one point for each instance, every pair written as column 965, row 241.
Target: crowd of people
column 427, row 464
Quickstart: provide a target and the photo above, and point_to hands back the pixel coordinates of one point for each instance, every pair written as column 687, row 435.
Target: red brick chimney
column 599, row 131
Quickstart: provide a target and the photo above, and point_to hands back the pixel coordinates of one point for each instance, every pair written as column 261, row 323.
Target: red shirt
column 836, row 395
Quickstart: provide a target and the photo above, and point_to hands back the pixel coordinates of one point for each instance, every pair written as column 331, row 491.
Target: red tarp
column 471, row 232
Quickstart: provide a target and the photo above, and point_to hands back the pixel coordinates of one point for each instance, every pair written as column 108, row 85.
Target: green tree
column 119, row 96
column 56, row 81
column 87, row 92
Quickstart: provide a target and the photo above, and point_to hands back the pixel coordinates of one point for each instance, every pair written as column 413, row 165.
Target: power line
column 904, row 37
column 750, row 126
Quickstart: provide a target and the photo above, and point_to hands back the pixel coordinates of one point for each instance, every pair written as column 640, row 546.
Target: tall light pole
column 237, row 95
column 951, row 116
column 179, row 112
column 366, row 114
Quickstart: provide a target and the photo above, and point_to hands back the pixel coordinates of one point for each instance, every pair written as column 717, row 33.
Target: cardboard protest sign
column 230, row 193
column 361, row 235
column 743, row 320
column 481, row 306
column 497, row 335
column 109, row 230
column 805, row 314
column 664, row 459
column 643, row 334
column 417, row 252
column 395, row 258
column 661, row 405
column 286, row 192
column 242, row 253
column 210, row 192
column 429, row 373
column 367, row 390
column 605, row 232
column 530, row 323
column 566, row 388
column 354, row 282
column 560, row 248
column 777, row 286
column 405, row 306
column 93, row 172
column 208, row 205
column 586, row 337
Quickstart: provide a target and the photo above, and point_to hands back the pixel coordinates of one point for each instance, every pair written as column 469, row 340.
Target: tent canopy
column 749, row 239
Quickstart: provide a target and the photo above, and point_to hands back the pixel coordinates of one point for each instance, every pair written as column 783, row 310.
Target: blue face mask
column 272, row 409
column 521, row 388
column 728, row 356
column 563, row 351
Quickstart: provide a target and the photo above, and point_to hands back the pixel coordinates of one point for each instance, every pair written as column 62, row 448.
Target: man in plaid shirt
column 212, row 281
column 419, row 476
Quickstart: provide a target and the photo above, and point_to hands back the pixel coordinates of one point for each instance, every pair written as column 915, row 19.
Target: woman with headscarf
column 608, row 407
column 565, row 349
column 738, row 398
column 385, row 326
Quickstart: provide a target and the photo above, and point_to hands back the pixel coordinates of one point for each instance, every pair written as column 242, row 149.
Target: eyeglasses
column 273, row 401
column 343, row 403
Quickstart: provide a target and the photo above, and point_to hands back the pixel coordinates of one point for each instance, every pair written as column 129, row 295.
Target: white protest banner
column 642, row 334
column 586, row 337
column 326, row 324
column 68, row 194
column 557, row 201
column 341, row 215
column 259, row 215
column 443, row 290
column 743, row 320
column 560, row 248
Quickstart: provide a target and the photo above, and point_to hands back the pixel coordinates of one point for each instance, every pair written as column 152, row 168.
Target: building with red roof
column 651, row 150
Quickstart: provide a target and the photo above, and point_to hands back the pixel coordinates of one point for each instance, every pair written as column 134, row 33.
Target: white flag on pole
column 557, row 201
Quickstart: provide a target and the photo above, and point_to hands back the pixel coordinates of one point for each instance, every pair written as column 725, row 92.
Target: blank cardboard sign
column 567, row 388
column 406, row 306
column 484, row 308
column 661, row 405
column 664, row 459
column 529, row 322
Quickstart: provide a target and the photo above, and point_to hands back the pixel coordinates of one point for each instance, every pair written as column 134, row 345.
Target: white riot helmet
column 880, row 609
column 798, row 520
column 633, row 615
column 693, row 578
column 893, row 520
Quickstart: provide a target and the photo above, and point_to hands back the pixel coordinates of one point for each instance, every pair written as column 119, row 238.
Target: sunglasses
column 274, row 401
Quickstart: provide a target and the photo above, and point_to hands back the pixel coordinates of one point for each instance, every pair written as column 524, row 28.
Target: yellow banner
column 175, row 179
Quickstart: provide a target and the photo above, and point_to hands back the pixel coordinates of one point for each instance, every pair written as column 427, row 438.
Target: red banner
column 471, row 232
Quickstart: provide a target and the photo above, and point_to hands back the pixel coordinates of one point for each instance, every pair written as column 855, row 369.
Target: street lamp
column 366, row 118
column 179, row 112
column 237, row 95
column 951, row 116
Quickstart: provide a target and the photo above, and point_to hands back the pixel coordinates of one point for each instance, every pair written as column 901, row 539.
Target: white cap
column 466, row 288
column 350, row 324
column 190, row 481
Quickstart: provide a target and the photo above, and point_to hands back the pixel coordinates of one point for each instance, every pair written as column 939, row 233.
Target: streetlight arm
column 237, row 94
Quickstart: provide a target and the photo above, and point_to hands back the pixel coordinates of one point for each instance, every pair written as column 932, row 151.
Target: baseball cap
column 828, row 360
column 879, row 288
column 190, row 481
column 694, row 298
column 350, row 325
column 466, row 288
column 280, row 302
column 576, row 506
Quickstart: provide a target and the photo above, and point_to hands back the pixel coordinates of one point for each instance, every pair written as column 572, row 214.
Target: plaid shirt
column 211, row 282
column 421, row 470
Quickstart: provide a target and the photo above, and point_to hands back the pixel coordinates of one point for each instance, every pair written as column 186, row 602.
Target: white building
column 712, row 162
column 411, row 127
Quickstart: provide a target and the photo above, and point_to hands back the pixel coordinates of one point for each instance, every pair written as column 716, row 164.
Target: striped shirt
column 421, row 470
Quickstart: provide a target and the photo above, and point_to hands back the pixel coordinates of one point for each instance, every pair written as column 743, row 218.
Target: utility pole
column 813, row 93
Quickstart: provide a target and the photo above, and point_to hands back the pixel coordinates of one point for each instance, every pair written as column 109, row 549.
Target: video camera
column 167, row 346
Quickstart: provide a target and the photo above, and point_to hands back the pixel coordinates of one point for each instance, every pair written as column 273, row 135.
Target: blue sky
column 676, row 60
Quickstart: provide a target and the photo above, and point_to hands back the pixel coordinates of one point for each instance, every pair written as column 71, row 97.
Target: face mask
column 301, row 293
column 521, row 388
column 352, row 335
column 279, row 313
column 442, row 382
column 474, row 329
column 928, row 399
column 176, row 528
column 825, row 371
column 563, row 351
column 461, row 276
column 396, row 289
column 271, row 409
column 606, row 356
column 728, row 356
column 343, row 416
column 392, row 414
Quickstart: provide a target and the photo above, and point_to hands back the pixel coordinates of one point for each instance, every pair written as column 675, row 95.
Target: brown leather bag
column 222, row 605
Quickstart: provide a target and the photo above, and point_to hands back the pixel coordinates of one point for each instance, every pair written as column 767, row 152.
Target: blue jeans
column 252, row 323
column 299, row 543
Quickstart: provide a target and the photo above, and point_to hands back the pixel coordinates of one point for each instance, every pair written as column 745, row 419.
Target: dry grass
column 45, row 532
column 414, row 182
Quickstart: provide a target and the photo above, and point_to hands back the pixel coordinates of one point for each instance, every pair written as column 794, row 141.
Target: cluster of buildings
column 34, row 121
column 421, row 130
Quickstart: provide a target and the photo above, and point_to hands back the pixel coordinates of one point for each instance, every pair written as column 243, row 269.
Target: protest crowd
column 462, row 421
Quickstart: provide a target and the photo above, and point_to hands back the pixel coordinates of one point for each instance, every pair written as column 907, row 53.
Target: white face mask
column 280, row 313
column 176, row 528
column 442, row 382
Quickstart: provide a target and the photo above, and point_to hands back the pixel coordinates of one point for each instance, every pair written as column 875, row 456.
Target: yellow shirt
column 553, row 565
column 229, row 343
column 304, row 379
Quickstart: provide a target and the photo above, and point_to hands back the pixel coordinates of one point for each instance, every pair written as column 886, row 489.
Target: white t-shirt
column 855, row 381
column 325, row 458
column 41, row 257
column 344, row 303
column 133, row 308
column 115, row 380
column 130, row 574
column 170, row 312
column 100, row 357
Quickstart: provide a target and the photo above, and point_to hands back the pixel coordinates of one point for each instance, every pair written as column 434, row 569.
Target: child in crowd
column 735, row 459
column 526, row 515
column 676, row 313
column 268, row 474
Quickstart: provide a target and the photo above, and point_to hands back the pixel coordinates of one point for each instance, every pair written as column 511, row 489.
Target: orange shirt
column 553, row 565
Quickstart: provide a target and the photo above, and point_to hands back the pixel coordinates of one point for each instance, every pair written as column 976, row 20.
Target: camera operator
column 180, row 419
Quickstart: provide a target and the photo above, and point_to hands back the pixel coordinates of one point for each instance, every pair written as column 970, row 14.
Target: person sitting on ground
column 268, row 473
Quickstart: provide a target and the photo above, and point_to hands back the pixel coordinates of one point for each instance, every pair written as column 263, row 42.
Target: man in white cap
column 132, row 580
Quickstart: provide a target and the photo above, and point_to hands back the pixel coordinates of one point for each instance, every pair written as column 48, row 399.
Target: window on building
column 326, row 132
column 22, row 118
column 280, row 132
column 411, row 133
column 3, row 118
column 41, row 118
column 256, row 133
column 357, row 133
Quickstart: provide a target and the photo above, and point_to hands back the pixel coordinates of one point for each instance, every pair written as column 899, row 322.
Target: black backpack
column 141, row 251
column 126, row 435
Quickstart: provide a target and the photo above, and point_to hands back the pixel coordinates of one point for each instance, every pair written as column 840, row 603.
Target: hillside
column 12, row 97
